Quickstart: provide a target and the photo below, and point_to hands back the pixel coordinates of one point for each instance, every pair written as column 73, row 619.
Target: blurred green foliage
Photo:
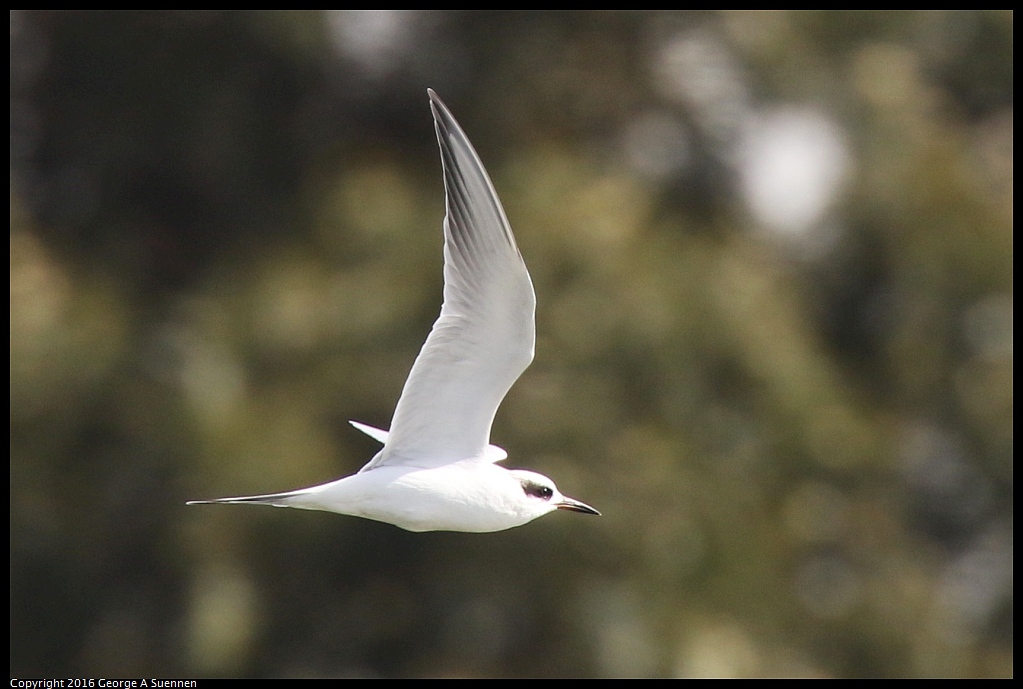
column 772, row 254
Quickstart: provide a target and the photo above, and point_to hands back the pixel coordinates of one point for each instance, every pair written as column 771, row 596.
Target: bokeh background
column 774, row 266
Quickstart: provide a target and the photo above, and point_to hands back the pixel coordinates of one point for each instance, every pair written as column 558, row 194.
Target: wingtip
column 440, row 109
column 435, row 99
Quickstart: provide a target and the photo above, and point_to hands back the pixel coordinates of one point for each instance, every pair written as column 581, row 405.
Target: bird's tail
column 289, row 499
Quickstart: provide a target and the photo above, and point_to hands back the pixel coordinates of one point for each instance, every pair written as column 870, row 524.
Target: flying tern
column 437, row 470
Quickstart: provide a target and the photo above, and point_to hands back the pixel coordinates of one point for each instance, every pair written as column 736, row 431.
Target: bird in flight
column 437, row 470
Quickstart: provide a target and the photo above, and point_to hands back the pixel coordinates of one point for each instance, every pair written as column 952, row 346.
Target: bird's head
column 540, row 495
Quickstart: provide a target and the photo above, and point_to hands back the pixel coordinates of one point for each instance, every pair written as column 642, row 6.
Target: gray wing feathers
column 483, row 339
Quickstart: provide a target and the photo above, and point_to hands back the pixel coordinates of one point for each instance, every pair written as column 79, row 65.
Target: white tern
column 437, row 470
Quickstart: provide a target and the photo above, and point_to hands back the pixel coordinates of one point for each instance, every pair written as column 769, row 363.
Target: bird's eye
column 537, row 490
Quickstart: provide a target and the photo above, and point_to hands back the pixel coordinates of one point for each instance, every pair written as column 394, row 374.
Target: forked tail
column 274, row 499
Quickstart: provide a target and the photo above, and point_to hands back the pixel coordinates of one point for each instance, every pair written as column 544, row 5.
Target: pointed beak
column 576, row 506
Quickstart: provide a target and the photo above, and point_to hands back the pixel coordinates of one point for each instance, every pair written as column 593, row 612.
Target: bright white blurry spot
column 377, row 40
column 657, row 145
column 988, row 327
column 793, row 163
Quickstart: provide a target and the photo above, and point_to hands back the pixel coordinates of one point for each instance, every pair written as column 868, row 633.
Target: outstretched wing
column 483, row 339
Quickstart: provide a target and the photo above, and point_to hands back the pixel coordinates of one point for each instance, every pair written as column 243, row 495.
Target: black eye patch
column 537, row 490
